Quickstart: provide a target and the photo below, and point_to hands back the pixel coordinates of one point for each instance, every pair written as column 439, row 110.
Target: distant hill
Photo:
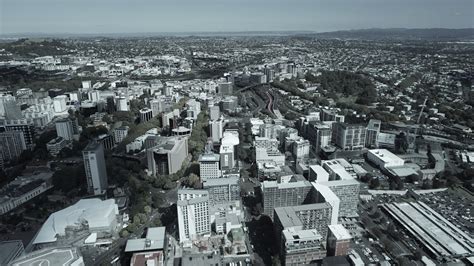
column 440, row 34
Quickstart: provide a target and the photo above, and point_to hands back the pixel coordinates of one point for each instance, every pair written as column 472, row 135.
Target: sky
column 154, row 16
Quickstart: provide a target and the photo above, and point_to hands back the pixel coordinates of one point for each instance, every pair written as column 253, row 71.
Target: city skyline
column 185, row 16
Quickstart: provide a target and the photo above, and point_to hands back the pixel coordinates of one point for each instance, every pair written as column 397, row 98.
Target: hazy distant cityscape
column 237, row 148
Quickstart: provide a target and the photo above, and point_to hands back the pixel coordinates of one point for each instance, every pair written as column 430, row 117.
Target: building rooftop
column 55, row 256
column 209, row 157
column 97, row 213
column 339, row 231
column 384, row 155
column 143, row 244
column 436, row 233
column 92, row 146
column 288, row 217
column 8, row 250
column 292, row 235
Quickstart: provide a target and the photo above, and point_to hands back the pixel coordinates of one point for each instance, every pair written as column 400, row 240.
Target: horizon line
column 279, row 32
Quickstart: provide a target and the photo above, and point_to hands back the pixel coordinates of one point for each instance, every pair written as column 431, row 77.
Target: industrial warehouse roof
column 436, row 233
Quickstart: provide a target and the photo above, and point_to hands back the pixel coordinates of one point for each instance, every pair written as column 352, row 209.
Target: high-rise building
column 193, row 109
column 348, row 192
column 214, row 112
column 282, row 194
column 87, row 84
column 96, row 172
column 93, row 96
column 349, row 137
column 222, row 190
column 122, row 104
column 229, row 104
column 339, row 240
column 269, row 73
column 64, row 129
column 308, row 222
column 332, row 115
column 9, row 107
column 301, row 247
column 257, row 78
column 12, row 144
column 193, row 214
column 168, row 156
column 217, row 128
column 209, row 166
column 59, row 103
column 22, row 125
column 145, row 115
column 120, row 133
column 301, row 149
column 156, row 106
column 226, row 153
column 110, row 103
column 373, row 129
column 321, row 194
column 320, row 135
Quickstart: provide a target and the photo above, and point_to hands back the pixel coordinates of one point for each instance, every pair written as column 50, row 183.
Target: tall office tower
column 349, row 137
column 214, row 112
column 319, row 135
column 145, row 115
column 20, row 125
column 59, row 103
column 96, row 172
column 9, row 107
column 156, row 106
column 64, row 129
column 331, row 115
column 122, row 104
column 226, row 153
column 225, row 88
column 209, row 166
column 339, row 240
column 281, row 194
column 12, row 144
column 301, row 149
column 193, row 214
column 269, row 73
column 168, row 156
column 373, row 129
column 217, row 128
column 310, row 222
column 110, row 100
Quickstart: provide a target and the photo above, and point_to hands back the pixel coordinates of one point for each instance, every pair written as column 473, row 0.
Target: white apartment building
column 193, row 214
